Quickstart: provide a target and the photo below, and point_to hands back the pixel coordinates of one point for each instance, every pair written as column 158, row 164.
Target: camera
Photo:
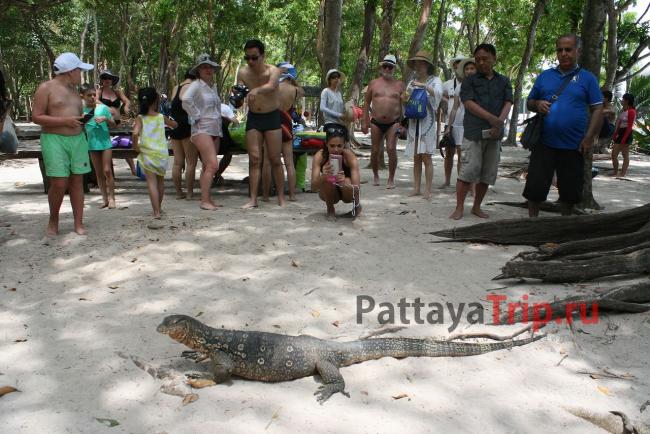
column 239, row 92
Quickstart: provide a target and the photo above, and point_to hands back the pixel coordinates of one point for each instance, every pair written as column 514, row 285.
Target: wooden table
column 29, row 147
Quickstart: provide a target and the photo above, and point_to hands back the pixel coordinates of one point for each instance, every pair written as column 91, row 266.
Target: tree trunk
column 82, row 45
column 32, row 20
column 437, row 37
column 330, row 41
column 523, row 68
column 612, row 50
column 125, row 29
column 369, row 19
column 210, row 28
column 420, row 32
column 386, row 26
column 95, row 48
column 527, row 231
column 578, row 271
column 593, row 27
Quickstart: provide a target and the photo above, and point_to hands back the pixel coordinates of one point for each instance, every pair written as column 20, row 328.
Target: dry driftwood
column 627, row 298
column 600, row 244
column 541, row 230
column 578, row 271
column 614, row 422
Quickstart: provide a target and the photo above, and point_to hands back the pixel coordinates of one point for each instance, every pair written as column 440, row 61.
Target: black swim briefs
column 264, row 121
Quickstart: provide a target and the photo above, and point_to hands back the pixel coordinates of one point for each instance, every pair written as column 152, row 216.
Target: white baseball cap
column 67, row 62
column 389, row 59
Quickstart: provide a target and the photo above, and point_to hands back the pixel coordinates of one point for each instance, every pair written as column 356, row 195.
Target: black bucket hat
column 108, row 74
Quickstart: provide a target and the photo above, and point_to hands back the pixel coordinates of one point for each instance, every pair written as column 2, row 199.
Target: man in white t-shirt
column 449, row 88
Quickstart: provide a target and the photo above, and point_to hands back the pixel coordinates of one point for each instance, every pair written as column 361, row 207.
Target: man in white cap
column 58, row 110
column 384, row 94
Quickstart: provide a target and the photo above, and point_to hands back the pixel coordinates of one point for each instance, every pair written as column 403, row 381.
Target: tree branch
column 627, row 77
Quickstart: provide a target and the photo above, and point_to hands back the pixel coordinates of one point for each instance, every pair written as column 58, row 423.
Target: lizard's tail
column 370, row 349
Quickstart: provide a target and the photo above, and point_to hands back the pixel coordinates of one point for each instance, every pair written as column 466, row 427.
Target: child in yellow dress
column 149, row 140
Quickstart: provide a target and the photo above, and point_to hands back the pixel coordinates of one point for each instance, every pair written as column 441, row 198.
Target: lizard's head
column 176, row 326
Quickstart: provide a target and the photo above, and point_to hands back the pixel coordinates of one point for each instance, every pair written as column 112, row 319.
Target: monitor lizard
column 274, row 357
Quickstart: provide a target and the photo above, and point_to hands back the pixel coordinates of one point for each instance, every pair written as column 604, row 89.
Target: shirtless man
column 57, row 109
column 384, row 93
column 289, row 91
column 263, row 124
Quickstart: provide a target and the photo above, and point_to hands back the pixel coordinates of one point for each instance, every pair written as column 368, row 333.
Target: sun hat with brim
column 109, row 75
column 460, row 71
column 422, row 55
column 334, row 71
column 389, row 59
column 204, row 59
column 454, row 60
column 67, row 62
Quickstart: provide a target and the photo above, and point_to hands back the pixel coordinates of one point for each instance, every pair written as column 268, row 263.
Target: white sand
column 78, row 301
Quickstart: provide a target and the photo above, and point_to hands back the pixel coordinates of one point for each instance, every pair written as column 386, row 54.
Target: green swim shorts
column 65, row 155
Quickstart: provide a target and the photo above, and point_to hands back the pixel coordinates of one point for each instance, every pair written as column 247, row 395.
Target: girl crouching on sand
column 149, row 140
column 342, row 186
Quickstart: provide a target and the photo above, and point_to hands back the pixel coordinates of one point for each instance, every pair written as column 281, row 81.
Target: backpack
column 416, row 106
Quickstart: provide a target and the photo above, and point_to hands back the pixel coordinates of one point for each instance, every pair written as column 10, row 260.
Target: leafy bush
column 640, row 88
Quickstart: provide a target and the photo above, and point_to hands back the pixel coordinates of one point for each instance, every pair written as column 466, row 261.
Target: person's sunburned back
column 288, row 92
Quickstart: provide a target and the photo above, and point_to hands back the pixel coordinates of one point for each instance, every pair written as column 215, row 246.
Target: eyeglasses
column 253, row 58
column 387, row 66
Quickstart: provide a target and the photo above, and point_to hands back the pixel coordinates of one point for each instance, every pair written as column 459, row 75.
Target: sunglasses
column 387, row 66
column 253, row 58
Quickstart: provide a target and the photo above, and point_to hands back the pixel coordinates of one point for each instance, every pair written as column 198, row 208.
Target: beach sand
column 73, row 307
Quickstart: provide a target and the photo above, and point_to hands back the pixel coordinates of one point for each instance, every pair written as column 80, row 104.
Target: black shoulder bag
column 532, row 135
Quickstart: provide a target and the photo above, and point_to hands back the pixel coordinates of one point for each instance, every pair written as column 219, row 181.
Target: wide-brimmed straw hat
column 422, row 55
column 460, row 70
column 334, row 71
column 106, row 73
column 204, row 59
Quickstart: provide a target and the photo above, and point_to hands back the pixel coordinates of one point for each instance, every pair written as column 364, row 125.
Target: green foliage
column 153, row 42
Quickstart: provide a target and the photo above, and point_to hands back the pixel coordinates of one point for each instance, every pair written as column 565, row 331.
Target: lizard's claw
column 194, row 355
column 325, row 391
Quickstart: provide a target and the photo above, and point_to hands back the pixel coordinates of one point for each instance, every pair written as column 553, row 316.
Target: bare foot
column 208, row 206
column 181, row 195
column 281, row 201
column 250, row 204
column 80, row 230
column 156, row 216
column 111, row 203
column 479, row 213
column 390, row 185
column 457, row 214
column 443, row 186
column 623, row 174
column 331, row 217
column 375, row 180
column 414, row 193
column 292, row 198
column 427, row 195
column 190, row 196
column 613, row 174
column 103, row 205
column 52, row 229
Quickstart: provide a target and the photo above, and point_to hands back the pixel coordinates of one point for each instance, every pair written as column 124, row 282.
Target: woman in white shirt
column 203, row 106
column 331, row 100
column 422, row 133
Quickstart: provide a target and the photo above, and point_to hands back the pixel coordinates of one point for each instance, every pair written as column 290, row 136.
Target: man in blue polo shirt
column 568, row 130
